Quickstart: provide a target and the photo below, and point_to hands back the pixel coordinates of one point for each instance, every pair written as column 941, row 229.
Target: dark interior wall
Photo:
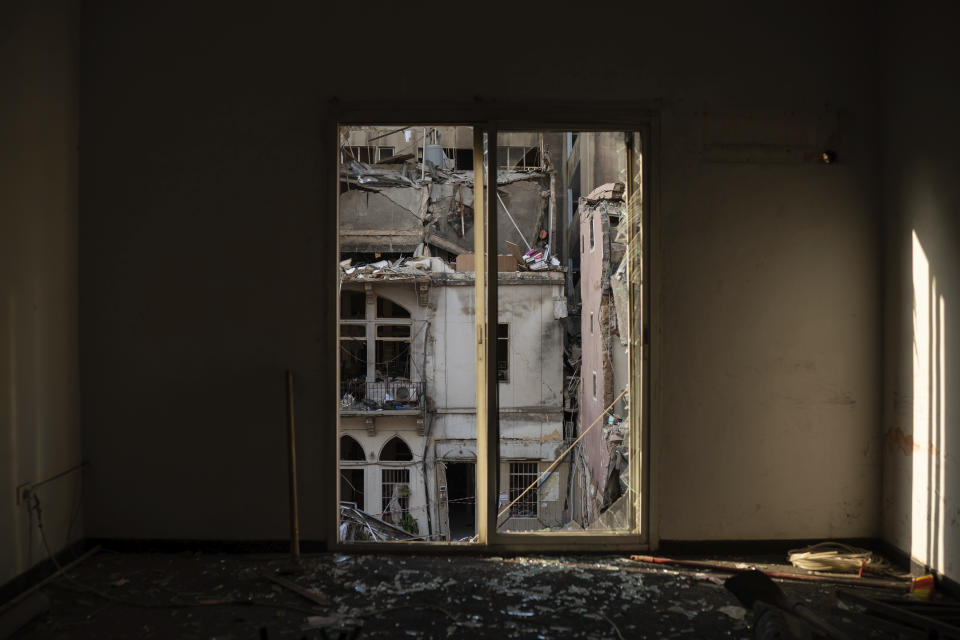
column 921, row 196
column 205, row 237
column 200, row 195
column 39, row 402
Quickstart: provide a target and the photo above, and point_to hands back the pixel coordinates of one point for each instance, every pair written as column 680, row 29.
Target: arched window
column 396, row 450
column 394, row 482
column 350, row 449
column 351, row 476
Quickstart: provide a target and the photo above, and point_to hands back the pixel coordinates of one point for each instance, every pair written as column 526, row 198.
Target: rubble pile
column 405, row 205
column 405, row 268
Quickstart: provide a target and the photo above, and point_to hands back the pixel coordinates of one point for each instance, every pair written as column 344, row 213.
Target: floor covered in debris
column 194, row 595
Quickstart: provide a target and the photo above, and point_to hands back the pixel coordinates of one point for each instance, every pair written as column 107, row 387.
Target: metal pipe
column 388, row 133
column 511, row 220
column 292, row 448
column 783, row 575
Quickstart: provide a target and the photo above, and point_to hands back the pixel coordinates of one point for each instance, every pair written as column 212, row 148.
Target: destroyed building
column 404, row 204
column 604, row 357
column 408, row 411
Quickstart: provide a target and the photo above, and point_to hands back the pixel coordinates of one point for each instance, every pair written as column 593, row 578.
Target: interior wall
column 39, row 403
column 208, row 252
column 921, row 488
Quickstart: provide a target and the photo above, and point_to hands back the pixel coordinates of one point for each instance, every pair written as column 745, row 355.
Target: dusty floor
column 123, row 595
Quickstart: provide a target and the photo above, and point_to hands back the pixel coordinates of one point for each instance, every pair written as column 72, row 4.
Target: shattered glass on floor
column 125, row 595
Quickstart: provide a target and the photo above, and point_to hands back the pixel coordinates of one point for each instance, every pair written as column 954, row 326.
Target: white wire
column 837, row 557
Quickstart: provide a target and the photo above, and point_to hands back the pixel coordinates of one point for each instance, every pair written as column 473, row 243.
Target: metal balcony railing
column 396, row 395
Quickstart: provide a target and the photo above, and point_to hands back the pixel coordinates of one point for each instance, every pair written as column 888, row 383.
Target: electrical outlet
column 23, row 493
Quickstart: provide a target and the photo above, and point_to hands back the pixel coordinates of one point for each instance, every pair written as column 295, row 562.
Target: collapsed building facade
column 407, row 356
column 600, row 461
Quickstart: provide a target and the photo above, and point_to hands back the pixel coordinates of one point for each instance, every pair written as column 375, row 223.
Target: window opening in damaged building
column 558, row 419
column 407, row 339
column 462, row 499
column 351, row 474
column 522, row 475
column 406, row 231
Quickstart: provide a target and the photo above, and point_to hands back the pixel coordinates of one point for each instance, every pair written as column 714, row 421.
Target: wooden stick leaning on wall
column 292, row 449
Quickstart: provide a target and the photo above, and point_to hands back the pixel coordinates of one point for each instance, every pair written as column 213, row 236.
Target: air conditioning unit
column 402, row 391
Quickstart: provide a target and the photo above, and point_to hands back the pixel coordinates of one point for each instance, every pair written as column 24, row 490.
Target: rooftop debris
column 435, row 268
column 400, row 202
column 608, row 191
column 397, row 171
column 391, row 269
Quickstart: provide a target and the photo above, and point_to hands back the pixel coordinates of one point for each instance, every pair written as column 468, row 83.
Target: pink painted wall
column 591, row 294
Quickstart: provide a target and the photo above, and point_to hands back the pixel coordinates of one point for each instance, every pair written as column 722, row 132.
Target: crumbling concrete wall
column 594, row 267
column 526, row 201
column 603, row 362
column 396, row 208
column 397, row 219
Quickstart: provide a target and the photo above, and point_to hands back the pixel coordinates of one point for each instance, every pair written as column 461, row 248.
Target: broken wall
column 921, row 423
column 40, row 433
column 595, row 365
column 390, row 219
column 397, row 219
column 208, row 254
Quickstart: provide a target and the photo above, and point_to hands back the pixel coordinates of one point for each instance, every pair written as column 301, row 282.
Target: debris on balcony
column 393, row 394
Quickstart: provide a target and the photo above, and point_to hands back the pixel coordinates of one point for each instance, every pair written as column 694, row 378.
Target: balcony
column 396, row 397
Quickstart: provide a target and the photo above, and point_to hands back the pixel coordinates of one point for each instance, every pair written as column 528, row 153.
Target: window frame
column 371, row 323
column 404, row 500
column 488, row 119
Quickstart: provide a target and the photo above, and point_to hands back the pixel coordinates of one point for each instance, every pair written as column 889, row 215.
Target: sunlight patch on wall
column 929, row 411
